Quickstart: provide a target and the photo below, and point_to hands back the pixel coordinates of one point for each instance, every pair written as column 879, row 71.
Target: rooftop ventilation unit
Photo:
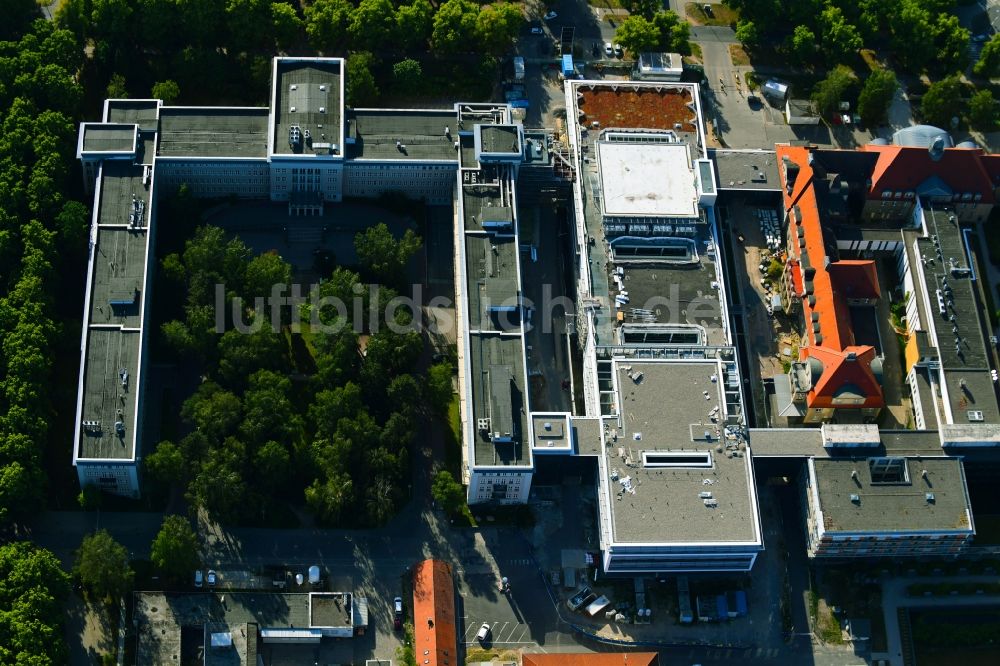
column 856, row 498
column 322, row 109
column 975, row 415
column 929, row 497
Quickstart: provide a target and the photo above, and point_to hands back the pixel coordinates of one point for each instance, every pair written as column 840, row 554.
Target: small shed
column 660, row 66
column 801, row 112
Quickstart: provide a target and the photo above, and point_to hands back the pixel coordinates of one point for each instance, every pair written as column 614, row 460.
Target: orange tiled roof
column 904, row 168
column 829, row 334
column 434, row 627
column 591, row 659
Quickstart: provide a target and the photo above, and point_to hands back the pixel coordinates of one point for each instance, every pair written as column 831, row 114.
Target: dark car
column 754, row 102
column 397, row 613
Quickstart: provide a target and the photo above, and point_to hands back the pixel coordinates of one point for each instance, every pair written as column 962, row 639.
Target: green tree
column 840, row 39
column 414, row 23
column 942, row 101
column 637, row 34
column 268, row 411
column 244, row 22
column 384, row 256
column 212, row 411
column 643, row 8
column 802, row 44
column 219, row 486
column 407, row 75
column 497, row 26
column 448, row 492
column 674, row 34
column 454, row 26
column 912, row 34
column 329, row 498
column 372, row 23
column 952, row 41
column 286, row 24
column 983, row 111
column 272, row 464
column 103, row 566
column 747, row 34
column 830, row 91
column 326, row 23
column 876, row 96
column 166, row 464
column 174, row 551
column 167, row 90
column 31, row 605
column 988, row 64
column 439, row 386
column 332, row 405
column 361, row 86
column 116, row 87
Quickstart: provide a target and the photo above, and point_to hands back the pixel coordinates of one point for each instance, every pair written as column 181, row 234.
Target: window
column 676, row 459
column 887, row 471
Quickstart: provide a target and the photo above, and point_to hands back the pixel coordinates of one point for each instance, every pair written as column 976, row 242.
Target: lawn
column 738, row 55
column 721, row 15
column 605, row 4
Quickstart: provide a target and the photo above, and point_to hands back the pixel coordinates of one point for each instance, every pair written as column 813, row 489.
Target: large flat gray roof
column 805, row 442
column 109, row 351
column 111, row 358
column 109, row 138
column 484, row 204
column 674, row 294
column 486, row 352
column 901, row 507
column 141, row 112
column 213, row 132
column 746, row 169
column 307, row 86
column 375, row 133
column 492, row 281
column 661, row 412
column 965, row 363
column 162, row 616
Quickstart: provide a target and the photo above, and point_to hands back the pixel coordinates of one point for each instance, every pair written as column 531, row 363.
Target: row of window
column 963, row 196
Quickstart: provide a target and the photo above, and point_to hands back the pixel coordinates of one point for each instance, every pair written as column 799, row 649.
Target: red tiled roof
column 591, row 659
column 434, row 627
column 904, row 168
column 832, row 284
column 847, row 379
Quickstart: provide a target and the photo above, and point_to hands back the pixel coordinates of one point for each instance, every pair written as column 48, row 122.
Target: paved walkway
column 894, row 597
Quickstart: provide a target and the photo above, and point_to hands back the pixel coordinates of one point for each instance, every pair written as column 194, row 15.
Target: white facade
column 501, row 487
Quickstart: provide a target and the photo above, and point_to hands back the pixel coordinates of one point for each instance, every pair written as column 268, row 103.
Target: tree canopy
column 942, row 101
column 103, row 566
column 33, row 588
column 174, row 551
column 383, row 255
column 876, row 96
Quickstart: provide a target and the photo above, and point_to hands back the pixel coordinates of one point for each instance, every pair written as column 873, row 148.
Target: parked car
column 619, row 52
column 397, row 613
column 211, row 577
column 535, row 30
column 483, row 632
column 707, row 8
column 608, row 49
column 753, row 101
column 550, row 16
column 199, row 578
